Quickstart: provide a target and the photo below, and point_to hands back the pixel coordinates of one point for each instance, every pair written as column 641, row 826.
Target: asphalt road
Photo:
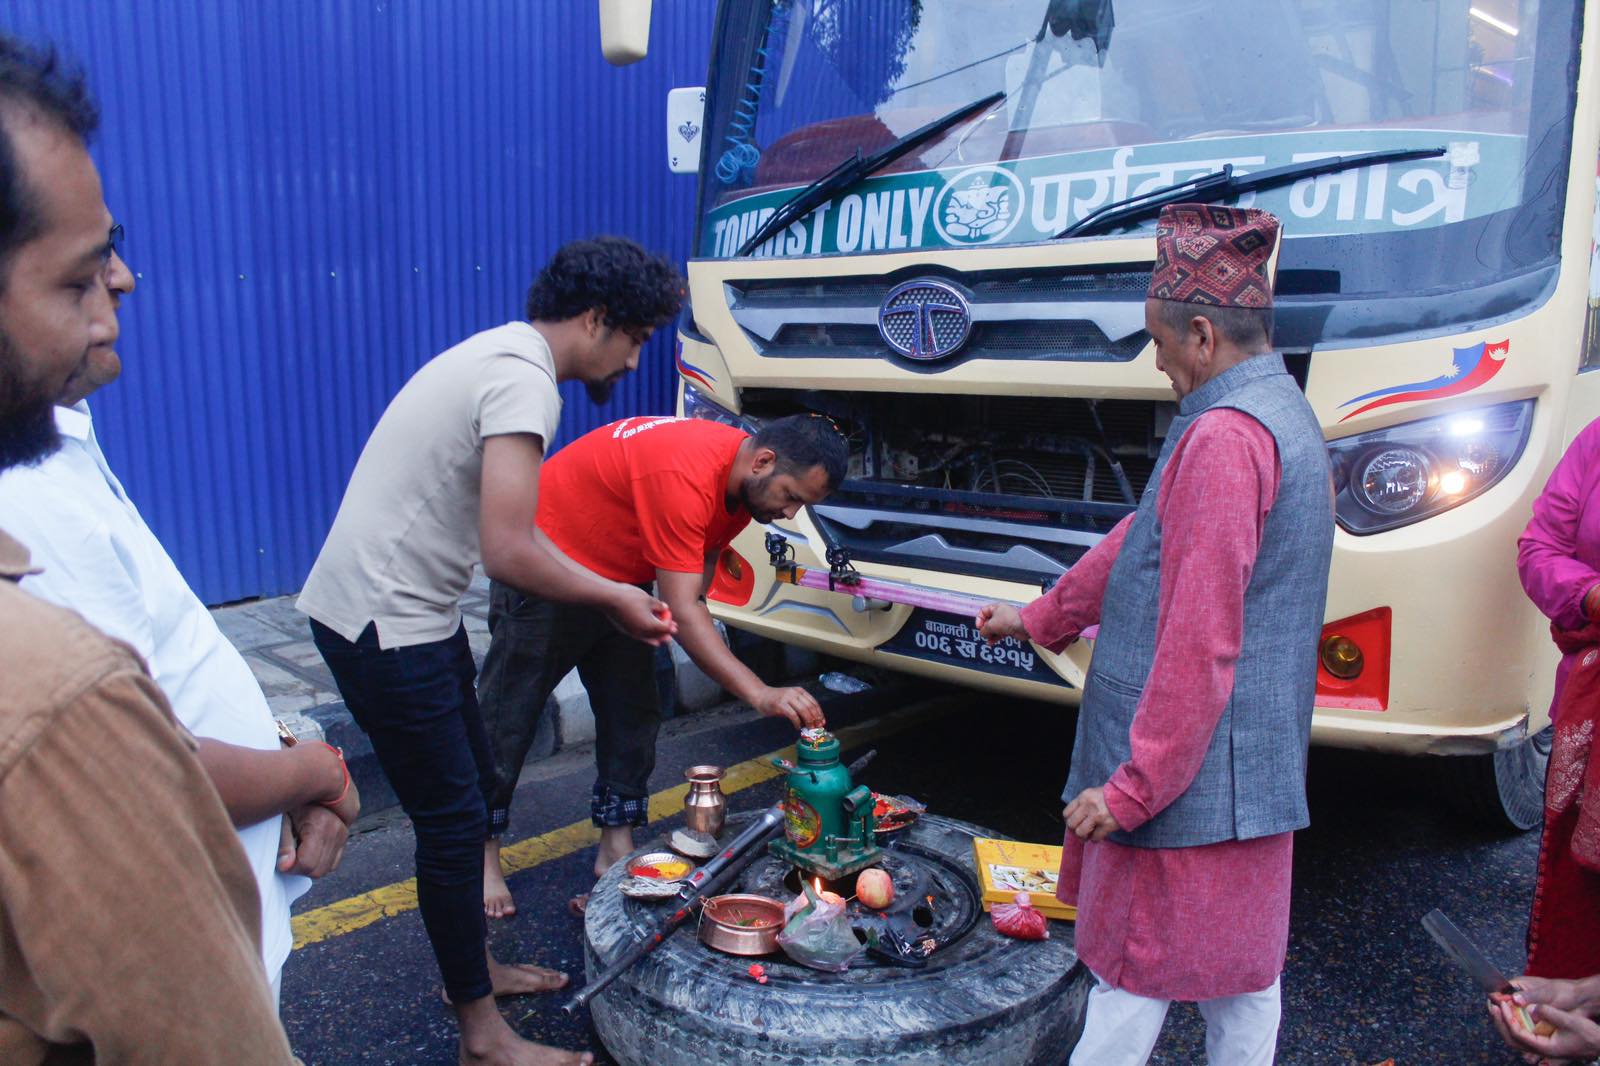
column 1363, row 983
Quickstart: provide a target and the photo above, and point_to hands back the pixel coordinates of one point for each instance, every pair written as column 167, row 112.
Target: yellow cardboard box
column 1006, row 867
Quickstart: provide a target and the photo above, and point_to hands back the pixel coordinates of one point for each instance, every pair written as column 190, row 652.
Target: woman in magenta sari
column 1558, row 558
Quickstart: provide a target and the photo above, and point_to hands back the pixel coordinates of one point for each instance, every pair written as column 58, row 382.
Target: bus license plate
column 950, row 638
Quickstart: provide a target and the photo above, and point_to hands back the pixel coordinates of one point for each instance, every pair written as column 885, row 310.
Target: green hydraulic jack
column 829, row 823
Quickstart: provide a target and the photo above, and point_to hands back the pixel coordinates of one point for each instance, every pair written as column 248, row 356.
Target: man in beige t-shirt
column 450, row 477
column 402, row 547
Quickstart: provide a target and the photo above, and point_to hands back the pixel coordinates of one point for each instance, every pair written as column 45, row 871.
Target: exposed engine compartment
column 1005, row 486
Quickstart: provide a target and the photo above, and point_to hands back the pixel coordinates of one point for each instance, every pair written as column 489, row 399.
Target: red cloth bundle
column 1020, row 919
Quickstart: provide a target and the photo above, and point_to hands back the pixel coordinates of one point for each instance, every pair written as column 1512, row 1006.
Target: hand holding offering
column 1520, row 1015
column 794, row 703
column 1552, row 1034
column 641, row 615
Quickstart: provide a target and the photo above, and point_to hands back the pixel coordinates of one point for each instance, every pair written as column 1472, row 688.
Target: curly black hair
column 634, row 290
column 34, row 81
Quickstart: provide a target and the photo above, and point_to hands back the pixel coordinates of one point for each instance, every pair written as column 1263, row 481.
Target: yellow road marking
column 359, row 911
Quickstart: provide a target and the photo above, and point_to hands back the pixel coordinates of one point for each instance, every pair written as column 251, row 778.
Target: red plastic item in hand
column 1021, row 919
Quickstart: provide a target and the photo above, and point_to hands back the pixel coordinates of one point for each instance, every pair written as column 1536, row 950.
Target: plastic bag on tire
column 819, row 936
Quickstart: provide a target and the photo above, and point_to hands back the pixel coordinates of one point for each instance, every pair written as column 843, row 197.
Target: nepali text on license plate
column 954, row 639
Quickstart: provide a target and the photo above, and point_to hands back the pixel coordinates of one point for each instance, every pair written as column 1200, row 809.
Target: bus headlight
column 1392, row 477
column 1391, row 481
column 697, row 404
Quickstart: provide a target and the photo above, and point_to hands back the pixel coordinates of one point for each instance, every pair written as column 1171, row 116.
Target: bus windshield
column 1104, row 99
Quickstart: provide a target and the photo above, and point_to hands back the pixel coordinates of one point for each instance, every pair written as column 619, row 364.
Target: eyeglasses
column 113, row 249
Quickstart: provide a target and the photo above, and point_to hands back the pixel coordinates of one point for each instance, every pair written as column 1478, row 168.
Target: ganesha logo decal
column 1469, row 368
column 978, row 206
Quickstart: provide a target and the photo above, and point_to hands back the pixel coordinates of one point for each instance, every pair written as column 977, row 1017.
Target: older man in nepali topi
column 1188, row 768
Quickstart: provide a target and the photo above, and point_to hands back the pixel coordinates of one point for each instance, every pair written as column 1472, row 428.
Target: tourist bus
column 911, row 219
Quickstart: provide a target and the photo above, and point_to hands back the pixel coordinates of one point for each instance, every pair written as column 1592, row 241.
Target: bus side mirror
column 624, row 30
column 686, row 121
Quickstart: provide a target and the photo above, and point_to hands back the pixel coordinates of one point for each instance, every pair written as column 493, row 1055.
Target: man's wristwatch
column 284, row 735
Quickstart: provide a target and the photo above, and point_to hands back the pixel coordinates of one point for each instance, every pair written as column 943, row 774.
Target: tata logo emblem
column 924, row 319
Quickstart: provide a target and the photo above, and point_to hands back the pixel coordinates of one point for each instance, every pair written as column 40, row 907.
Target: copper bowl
column 741, row 925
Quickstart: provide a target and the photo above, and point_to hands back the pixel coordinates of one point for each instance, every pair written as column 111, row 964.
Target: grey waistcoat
column 1252, row 780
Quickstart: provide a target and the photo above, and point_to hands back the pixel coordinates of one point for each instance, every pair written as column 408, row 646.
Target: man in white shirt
column 449, row 477
column 101, row 560
column 131, row 917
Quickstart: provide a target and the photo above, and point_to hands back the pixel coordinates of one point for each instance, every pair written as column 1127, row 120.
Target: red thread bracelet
column 343, row 792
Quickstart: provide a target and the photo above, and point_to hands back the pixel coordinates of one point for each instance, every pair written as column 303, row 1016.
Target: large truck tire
column 984, row 999
column 1504, row 790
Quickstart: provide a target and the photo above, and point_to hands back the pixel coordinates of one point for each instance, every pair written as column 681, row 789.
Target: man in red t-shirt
column 646, row 499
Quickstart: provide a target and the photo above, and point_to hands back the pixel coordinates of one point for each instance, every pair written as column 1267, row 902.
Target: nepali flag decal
column 1469, row 368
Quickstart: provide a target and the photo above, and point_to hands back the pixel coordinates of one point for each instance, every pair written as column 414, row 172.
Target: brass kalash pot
column 829, row 825
column 705, row 808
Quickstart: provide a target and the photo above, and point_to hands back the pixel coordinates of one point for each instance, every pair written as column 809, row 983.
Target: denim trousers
column 533, row 644
column 417, row 706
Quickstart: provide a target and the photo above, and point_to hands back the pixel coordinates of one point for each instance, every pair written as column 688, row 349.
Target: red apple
column 875, row 888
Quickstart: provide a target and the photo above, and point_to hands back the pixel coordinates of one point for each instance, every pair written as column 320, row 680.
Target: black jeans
column 533, row 644
column 418, row 707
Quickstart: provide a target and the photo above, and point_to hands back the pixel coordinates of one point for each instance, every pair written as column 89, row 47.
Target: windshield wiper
column 856, row 167
column 1222, row 185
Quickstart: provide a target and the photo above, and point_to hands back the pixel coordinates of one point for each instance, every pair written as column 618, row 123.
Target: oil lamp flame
column 822, row 894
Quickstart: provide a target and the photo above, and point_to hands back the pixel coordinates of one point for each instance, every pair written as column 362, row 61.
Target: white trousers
column 1121, row 1028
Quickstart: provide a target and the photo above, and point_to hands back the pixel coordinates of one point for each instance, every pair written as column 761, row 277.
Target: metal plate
column 947, row 638
column 644, row 867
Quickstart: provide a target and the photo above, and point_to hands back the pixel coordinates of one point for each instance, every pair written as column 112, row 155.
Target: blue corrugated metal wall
column 321, row 194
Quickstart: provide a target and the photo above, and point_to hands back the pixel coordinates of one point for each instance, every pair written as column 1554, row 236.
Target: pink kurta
column 1558, row 555
column 1181, row 923
column 1558, row 559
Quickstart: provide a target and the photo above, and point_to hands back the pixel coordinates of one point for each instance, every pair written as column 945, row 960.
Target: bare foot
column 497, row 901
column 518, row 979
column 486, row 1040
column 524, row 1053
column 616, row 843
column 524, row 978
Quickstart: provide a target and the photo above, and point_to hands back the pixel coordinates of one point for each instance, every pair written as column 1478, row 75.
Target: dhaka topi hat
column 1207, row 254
